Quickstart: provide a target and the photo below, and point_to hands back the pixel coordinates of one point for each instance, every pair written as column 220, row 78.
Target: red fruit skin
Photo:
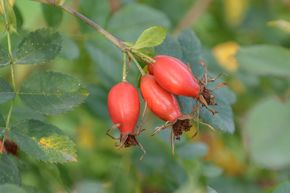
column 163, row 104
column 174, row 76
column 124, row 107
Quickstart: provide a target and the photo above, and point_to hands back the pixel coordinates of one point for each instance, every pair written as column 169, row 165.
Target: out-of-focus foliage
column 235, row 37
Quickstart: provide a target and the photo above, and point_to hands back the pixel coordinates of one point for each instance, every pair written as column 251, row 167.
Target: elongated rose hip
column 160, row 102
column 174, row 76
column 165, row 106
column 124, row 109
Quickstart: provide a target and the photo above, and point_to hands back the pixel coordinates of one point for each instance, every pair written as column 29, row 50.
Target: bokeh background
column 254, row 159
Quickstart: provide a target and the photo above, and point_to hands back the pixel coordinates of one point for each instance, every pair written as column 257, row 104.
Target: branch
column 117, row 42
column 97, row 27
column 192, row 15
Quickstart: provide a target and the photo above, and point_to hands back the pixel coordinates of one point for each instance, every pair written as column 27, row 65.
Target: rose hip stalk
column 124, row 109
column 176, row 77
column 165, row 106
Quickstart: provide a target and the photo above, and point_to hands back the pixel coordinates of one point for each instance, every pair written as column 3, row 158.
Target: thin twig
column 192, row 15
column 117, row 42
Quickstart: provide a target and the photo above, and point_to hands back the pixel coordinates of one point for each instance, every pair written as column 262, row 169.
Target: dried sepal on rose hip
column 176, row 77
column 124, row 109
column 8, row 147
column 165, row 106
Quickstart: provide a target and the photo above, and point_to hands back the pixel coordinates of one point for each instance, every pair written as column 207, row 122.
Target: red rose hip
column 174, row 76
column 124, row 106
column 124, row 109
column 163, row 104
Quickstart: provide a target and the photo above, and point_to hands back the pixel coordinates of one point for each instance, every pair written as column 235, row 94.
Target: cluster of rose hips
column 168, row 76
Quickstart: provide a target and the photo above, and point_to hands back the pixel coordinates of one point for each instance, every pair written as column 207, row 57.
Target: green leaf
column 19, row 17
column 96, row 102
column 192, row 53
column 268, row 123
column 190, row 186
column 52, row 92
column 70, row 49
column 38, row 47
column 6, row 92
column 4, row 59
column 43, row 141
column 2, row 122
column 224, row 95
column 132, row 19
column 11, row 188
column 53, row 15
column 151, row 37
column 170, row 47
column 210, row 190
column 223, row 120
column 265, row 60
column 223, row 184
column 25, row 113
column 90, row 187
column 211, row 171
column 192, row 151
column 282, row 188
column 175, row 10
column 186, row 104
column 9, row 172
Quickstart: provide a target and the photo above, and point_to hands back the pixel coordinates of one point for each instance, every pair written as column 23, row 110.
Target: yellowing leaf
column 225, row 55
column 57, row 146
column 43, row 141
column 46, row 142
column 234, row 11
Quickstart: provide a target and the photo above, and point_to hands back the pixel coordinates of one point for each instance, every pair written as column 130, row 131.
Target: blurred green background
column 254, row 159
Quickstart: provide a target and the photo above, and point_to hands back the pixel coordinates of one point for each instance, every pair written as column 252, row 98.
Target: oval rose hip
column 165, row 106
column 124, row 109
column 174, row 76
column 160, row 102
